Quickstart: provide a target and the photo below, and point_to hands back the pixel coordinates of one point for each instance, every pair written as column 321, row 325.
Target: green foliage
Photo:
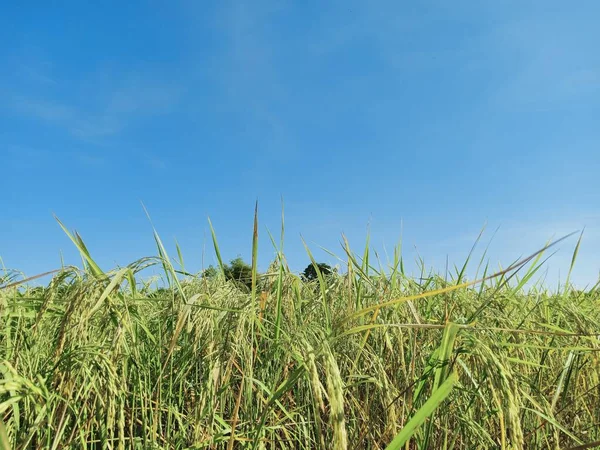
column 239, row 272
column 310, row 273
column 209, row 272
column 101, row 360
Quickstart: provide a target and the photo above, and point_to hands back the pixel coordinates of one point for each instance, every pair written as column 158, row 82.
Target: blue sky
column 433, row 117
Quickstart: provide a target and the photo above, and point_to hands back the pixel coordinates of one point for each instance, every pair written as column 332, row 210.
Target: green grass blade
column 180, row 256
column 85, row 254
column 573, row 259
column 282, row 225
column 216, row 246
column 461, row 274
column 255, row 252
column 4, row 441
column 423, row 413
column 322, row 287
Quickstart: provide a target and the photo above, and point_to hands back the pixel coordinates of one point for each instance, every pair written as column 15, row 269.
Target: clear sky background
column 437, row 116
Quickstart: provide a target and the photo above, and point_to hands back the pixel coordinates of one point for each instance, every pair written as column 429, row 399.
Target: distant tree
column 210, row 272
column 239, row 271
column 310, row 272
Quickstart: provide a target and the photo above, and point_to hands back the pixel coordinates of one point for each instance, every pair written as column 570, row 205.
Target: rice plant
column 370, row 358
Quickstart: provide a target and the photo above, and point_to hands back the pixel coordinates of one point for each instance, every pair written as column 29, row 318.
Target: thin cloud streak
column 125, row 103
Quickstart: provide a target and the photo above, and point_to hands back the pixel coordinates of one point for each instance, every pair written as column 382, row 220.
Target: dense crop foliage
column 363, row 358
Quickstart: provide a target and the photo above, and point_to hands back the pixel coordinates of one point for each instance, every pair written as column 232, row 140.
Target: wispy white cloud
column 25, row 157
column 42, row 109
column 80, row 124
column 542, row 57
column 39, row 75
column 554, row 59
column 143, row 97
column 93, row 127
column 97, row 110
column 250, row 75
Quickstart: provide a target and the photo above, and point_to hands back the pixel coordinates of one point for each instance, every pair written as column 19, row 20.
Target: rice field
column 367, row 358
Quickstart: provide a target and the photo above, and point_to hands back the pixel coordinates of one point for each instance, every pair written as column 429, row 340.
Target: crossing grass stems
column 370, row 358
